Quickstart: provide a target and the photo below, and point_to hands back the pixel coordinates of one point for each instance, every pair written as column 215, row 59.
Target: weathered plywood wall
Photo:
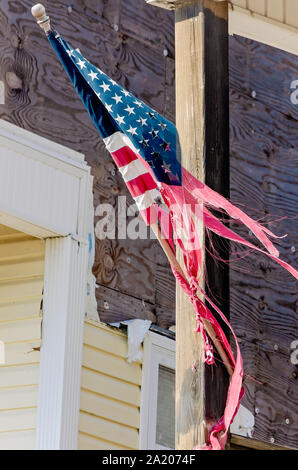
column 133, row 43
column 264, row 177
column 21, row 285
column 110, row 391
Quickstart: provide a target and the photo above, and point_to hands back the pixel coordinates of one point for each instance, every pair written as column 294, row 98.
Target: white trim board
column 41, row 183
column 23, row 226
column 62, row 340
column 259, row 28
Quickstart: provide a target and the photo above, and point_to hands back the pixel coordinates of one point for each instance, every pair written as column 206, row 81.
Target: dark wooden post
column 202, row 120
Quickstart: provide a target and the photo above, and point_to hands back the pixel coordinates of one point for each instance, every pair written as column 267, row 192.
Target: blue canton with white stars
column 153, row 136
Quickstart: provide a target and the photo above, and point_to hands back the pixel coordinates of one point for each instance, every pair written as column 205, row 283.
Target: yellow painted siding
column 110, row 391
column 21, row 285
column 282, row 11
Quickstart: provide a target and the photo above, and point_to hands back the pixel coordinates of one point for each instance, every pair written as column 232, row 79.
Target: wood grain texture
column 151, row 26
column 263, row 178
column 263, row 72
column 202, row 103
column 190, row 121
column 245, row 443
column 40, row 98
column 217, row 168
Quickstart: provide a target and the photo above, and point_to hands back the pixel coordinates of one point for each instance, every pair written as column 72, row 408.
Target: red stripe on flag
column 141, row 184
column 124, row 156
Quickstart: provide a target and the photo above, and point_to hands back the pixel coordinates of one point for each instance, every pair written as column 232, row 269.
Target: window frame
column 157, row 350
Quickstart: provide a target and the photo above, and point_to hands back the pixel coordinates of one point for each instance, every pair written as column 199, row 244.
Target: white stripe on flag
column 132, row 170
column 118, row 140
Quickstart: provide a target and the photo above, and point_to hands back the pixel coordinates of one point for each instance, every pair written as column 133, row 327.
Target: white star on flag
column 126, row 93
column 144, row 142
column 132, row 130
column 92, row 75
column 117, row 98
column 70, row 53
column 81, row 63
column 142, row 121
column 120, row 119
column 105, row 87
column 154, row 133
column 129, row 110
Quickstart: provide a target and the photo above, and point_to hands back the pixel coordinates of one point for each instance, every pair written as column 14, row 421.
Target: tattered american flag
column 144, row 146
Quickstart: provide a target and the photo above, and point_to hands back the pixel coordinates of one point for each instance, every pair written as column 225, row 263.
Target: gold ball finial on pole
column 39, row 13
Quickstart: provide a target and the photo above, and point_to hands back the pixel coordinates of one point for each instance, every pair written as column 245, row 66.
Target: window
column 157, row 429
